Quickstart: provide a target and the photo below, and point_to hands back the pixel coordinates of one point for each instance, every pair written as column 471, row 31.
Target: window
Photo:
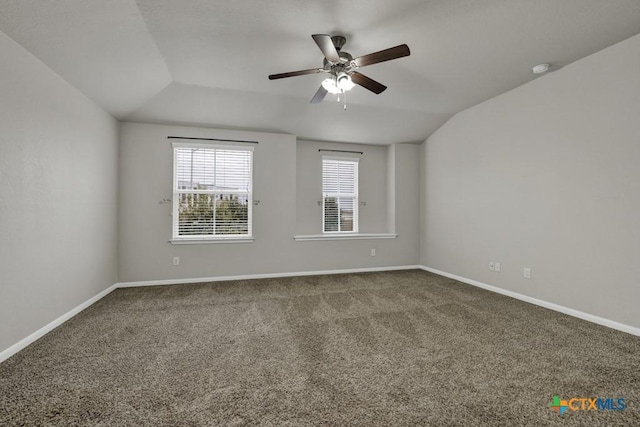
column 339, row 195
column 212, row 192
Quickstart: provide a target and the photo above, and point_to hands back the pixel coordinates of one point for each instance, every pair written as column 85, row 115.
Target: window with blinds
column 212, row 192
column 339, row 195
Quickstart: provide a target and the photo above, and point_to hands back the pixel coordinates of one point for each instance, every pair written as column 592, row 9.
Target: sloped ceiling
column 206, row 63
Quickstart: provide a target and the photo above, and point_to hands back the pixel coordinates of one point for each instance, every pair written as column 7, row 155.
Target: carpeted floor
column 393, row 348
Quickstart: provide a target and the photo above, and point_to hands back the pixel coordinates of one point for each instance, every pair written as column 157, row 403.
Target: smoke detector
column 540, row 68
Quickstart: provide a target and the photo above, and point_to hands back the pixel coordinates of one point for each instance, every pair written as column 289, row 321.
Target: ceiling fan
column 341, row 67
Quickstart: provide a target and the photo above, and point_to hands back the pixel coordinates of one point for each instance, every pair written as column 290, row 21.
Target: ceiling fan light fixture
column 344, row 82
column 330, row 85
column 338, row 84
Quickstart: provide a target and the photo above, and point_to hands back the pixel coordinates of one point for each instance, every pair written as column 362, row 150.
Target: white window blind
column 212, row 192
column 339, row 195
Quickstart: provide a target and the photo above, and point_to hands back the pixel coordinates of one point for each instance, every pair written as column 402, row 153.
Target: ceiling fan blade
column 383, row 55
column 325, row 44
column 295, row 73
column 319, row 96
column 367, row 83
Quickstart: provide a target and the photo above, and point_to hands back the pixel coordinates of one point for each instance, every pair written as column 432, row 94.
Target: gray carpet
column 393, row 348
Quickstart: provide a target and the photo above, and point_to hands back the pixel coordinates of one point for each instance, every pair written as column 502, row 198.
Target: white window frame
column 221, row 238
column 355, row 196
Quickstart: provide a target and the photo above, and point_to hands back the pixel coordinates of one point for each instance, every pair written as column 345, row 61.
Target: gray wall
column 545, row 176
column 406, row 194
column 145, row 224
column 58, row 176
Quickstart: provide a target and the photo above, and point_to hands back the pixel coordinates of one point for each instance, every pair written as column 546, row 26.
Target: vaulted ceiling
column 206, row 63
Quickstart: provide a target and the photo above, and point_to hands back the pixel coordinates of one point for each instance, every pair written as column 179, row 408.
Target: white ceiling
column 205, row 62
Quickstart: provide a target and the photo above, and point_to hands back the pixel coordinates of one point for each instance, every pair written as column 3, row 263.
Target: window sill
column 354, row 236
column 211, row 241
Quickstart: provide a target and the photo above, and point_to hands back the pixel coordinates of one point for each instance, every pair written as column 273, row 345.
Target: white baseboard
column 7, row 353
column 263, row 276
column 555, row 307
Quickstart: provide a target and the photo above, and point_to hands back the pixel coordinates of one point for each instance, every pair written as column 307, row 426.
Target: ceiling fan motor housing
column 345, row 57
column 345, row 61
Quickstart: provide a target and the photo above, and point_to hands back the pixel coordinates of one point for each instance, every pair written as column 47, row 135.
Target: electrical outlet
column 492, row 266
column 497, row 266
column 526, row 272
column 176, row 260
column 373, row 252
